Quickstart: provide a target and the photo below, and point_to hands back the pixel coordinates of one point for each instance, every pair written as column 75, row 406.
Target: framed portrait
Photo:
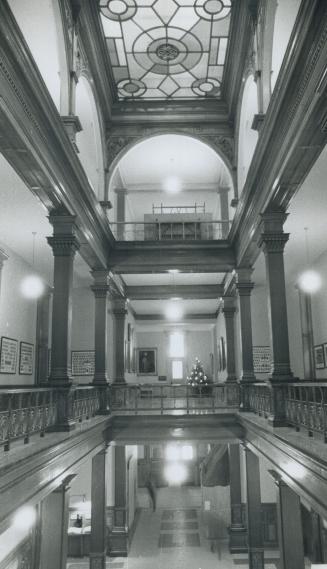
column 26, row 354
column 8, row 355
column 319, row 357
column 83, row 362
column 146, row 361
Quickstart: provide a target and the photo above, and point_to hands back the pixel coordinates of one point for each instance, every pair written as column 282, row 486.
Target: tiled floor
column 176, row 539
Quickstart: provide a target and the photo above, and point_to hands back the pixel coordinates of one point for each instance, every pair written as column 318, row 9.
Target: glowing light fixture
column 310, row 281
column 172, row 185
column 173, row 271
column 174, row 311
column 172, row 452
column 187, row 452
column 175, row 473
column 24, row 518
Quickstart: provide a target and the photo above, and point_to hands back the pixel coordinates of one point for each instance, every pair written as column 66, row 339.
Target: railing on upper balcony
column 154, row 399
column 196, row 208
column 26, row 411
column 171, row 230
column 303, row 404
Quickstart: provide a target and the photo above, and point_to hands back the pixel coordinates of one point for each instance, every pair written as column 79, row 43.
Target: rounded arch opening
column 247, row 137
column 172, row 171
column 89, row 140
column 41, row 26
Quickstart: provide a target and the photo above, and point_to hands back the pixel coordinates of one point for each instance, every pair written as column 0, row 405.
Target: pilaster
column 101, row 288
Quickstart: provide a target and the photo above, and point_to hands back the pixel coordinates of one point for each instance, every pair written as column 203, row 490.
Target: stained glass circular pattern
column 208, row 87
column 118, row 10
column 131, row 88
column 172, row 51
column 213, row 9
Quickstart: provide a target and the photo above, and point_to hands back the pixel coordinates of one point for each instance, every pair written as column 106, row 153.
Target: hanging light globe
column 32, row 286
column 310, row 281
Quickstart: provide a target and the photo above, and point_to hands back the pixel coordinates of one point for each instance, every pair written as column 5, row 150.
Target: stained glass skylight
column 166, row 49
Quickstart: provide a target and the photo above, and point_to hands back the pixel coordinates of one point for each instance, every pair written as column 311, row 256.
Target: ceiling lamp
column 310, row 281
column 174, row 311
column 175, row 473
column 172, row 185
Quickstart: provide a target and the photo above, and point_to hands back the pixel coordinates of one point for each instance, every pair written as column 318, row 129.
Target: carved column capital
column 64, row 246
column 101, row 285
column 244, row 285
column 273, row 238
column 228, row 306
column 119, row 307
column 64, row 242
column 273, row 242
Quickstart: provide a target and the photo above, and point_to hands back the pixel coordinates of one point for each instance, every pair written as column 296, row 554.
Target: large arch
column 178, row 145
column 41, row 25
column 90, row 140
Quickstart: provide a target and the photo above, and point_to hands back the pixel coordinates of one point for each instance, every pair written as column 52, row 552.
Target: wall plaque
column 83, row 362
column 9, row 355
column 26, row 358
column 261, row 359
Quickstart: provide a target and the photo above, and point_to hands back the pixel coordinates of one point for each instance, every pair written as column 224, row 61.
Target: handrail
column 161, row 230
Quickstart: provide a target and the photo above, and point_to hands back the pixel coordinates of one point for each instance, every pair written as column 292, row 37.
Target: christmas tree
column 197, row 378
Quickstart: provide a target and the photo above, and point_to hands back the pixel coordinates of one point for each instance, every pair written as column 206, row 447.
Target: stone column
column 253, row 499
column 119, row 534
column 121, row 206
column 98, row 549
column 229, row 314
column 119, row 312
column 42, row 337
column 3, row 258
column 100, row 289
column 244, row 288
column 237, row 531
column 64, row 245
column 224, row 209
column 54, row 528
column 290, row 534
column 272, row 241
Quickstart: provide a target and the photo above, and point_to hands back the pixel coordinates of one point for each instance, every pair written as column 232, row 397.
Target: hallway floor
column 178, row 536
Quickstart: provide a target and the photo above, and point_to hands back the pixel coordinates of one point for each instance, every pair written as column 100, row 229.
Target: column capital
column 273, row 242
column 3, row 257
column 272, row 221
column 119, row 307
column 64, row 241
column 122, row 191
column 273, row 238
column 244, row 285
column 63, row 246
column 101, row 284
column 228, row 306
column 223, row 189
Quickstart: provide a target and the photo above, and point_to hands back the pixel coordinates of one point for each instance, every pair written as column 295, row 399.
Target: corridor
column 179, row 535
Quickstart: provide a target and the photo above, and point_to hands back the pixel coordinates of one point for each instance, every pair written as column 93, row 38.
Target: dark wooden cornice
column 34, row 141
column 159, row 292
column 156, row 257
column 294, row 131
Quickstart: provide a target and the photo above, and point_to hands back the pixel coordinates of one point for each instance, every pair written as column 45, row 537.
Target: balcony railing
column 171, row 230
column 172, row 399
column 196, row 208
column 24, row 412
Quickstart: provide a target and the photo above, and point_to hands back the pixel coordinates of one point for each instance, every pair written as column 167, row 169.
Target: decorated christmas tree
column 197, row 378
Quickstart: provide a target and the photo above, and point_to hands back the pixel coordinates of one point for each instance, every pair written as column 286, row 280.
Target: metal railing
column 256, row 397
column 26, row 411
column 196, row 208
column 170, row 230
column 172, row 399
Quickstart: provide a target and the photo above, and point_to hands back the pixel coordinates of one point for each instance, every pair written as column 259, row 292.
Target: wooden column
column 100, row 289
column 244, row 288
column 253, row 503
column 237, row 531
column 98, row 550
column 229, row 314
column 119, row 312
column 119, row 534
column 42, row 337
column 290, row 533
column 54, row 528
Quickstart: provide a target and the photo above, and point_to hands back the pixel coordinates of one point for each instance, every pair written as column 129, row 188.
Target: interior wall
column 17, row 313
column 198, row 343
column 319, row 311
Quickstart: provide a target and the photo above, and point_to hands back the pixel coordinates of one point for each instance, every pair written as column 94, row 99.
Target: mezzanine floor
column 179, row 535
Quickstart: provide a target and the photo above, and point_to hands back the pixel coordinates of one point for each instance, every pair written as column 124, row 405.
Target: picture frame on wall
column 261, row 359
column 26, row 358
column 319, row 356
column 83, row 362
column 146, row 361
column 8, row 355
